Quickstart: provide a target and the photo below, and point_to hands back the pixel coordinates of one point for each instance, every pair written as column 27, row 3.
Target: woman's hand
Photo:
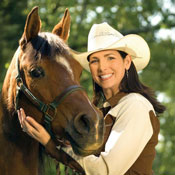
column 32, row 128
column 38, row 132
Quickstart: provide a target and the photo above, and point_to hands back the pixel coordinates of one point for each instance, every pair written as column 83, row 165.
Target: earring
column 127, row 73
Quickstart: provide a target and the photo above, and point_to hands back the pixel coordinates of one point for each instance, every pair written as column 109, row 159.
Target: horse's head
column 48, row 79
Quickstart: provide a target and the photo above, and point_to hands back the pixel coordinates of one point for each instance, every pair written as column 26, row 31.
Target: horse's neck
column 9, row 87
column 10, row 126
column 19, row 152
column 7, row 100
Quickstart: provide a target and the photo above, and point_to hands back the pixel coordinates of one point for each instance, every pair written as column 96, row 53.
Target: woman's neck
column 110, row 93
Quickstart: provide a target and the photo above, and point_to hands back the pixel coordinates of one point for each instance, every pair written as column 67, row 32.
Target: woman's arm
column 38, row 132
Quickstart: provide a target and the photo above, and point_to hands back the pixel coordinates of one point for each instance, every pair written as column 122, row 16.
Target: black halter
column 49, row 110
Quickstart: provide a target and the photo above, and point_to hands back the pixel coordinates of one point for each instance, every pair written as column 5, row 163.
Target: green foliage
column 11, row 22
column 129, row 16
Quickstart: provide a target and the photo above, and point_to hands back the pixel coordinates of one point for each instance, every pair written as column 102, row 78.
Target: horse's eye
column 36, row 72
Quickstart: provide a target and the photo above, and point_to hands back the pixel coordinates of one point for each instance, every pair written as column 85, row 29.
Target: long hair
column 130, row 83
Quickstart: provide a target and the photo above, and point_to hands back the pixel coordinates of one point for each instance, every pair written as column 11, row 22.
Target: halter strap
column 49, row 110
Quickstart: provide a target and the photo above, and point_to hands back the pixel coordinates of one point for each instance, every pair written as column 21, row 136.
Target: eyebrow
column 93, row 58
column 106, row 55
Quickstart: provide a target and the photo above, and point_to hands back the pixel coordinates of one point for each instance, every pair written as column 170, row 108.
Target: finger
column 40, row 132
column 19, row 116
column 33, row 123
column 40, row 135
column 24, row 123
column 34, row 127
column 30, row 120
column 30, row 130
column 23, row 116
column 27, row 127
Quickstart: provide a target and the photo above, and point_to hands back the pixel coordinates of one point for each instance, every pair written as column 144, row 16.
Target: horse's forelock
column 48, row 44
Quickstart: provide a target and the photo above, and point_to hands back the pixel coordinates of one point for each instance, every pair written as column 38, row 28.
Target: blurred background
column 152, row 19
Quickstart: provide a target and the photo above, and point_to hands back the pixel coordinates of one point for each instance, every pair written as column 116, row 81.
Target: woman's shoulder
column 132, row 103
column 133, row 96
column 136, row 98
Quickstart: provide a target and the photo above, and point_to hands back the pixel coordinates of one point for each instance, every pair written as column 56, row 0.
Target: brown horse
column 43, row 78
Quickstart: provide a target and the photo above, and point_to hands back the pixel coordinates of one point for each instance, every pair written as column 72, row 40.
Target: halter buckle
column 49, row 112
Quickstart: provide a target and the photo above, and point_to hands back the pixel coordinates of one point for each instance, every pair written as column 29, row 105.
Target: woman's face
column 108, row 68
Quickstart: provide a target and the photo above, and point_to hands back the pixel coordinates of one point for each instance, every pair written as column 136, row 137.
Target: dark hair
column 130, row 83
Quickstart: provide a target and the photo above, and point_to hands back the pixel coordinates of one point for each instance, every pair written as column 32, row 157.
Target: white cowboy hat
column 104, row 37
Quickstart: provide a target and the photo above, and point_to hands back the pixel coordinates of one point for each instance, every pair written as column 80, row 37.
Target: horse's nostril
column 82, row 124
column 85, row 122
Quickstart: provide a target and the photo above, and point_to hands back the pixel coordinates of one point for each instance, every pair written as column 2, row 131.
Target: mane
column 48, row 44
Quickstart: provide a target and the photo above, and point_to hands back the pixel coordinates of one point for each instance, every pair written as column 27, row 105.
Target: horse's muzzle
column 86, row 135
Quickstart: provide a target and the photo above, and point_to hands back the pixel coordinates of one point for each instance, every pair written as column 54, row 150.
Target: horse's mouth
column 62, row 141
column 69, row 141
column 77, row 148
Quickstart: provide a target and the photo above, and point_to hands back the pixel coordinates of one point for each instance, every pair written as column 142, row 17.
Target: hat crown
column 101, row 36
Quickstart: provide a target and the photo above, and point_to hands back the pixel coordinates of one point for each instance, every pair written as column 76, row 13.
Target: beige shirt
column 130, row 133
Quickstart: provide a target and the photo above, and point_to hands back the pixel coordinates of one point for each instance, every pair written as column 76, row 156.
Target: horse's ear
column 62, row 29
column 32, row 26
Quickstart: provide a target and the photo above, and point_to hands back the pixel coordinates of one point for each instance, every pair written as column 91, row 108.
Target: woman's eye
column 111, row 58
column 37, row 72
column 93, row 61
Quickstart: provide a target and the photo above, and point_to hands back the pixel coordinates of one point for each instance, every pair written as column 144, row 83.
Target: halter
column 49, row 110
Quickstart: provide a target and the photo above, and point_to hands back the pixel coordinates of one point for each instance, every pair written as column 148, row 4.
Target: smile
column 105, row 77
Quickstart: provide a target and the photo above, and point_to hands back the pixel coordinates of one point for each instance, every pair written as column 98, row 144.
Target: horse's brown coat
column 19, row 154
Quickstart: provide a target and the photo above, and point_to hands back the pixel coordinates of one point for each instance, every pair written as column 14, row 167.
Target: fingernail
column 27, row 118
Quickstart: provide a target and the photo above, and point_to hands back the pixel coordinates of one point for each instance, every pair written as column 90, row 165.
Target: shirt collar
column 113, row 101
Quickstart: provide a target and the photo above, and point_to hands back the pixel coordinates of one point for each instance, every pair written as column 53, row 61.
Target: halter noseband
column 49, row 110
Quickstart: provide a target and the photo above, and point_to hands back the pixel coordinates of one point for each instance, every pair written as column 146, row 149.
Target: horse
column 44, row 79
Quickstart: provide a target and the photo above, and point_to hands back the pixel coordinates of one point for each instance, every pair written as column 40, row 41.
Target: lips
column 105, row 77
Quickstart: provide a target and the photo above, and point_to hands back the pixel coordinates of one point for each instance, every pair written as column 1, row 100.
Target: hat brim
column 132, row 44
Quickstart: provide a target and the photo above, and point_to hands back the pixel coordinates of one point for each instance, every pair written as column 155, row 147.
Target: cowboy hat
column 104, row 37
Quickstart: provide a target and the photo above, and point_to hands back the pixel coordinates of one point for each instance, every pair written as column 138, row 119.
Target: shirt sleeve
column 130, row 134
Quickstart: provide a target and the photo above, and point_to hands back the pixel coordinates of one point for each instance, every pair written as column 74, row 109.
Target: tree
column 12, row 23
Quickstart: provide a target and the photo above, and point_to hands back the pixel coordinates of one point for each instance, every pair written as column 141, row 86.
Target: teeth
column 106, row 76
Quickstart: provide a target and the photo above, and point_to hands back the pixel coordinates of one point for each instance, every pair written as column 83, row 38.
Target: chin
column 81, row 152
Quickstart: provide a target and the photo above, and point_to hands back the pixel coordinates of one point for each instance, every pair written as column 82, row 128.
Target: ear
column 127, row 62
column 32, row 26
column 62, row 29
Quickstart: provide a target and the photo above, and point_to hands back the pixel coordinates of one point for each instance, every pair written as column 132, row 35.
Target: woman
column 128, row 106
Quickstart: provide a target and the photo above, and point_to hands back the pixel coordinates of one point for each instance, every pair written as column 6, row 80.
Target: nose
column 102, row 65
column 83, row 124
